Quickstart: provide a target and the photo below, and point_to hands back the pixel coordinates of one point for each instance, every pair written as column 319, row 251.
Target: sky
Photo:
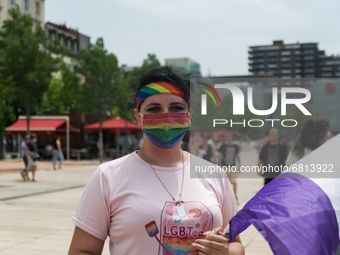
column 215, row 33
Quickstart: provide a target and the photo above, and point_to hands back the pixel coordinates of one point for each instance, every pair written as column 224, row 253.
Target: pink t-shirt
column 125, row 200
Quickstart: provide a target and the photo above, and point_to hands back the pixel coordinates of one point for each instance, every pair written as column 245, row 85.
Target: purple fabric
column 293, row 214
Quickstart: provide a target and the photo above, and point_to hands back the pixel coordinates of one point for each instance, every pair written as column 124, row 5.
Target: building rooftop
column 65, row 29
column 281, row 43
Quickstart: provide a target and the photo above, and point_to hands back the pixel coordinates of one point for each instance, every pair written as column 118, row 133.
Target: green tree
column 26, row 63
column 6, row 109
column 63, row 93
column 103, row 83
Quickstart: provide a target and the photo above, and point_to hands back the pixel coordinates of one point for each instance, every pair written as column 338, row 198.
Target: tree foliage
column 6, row 109
column 63, row 93
column 103, row 83
column 131, row 78
column 26, row 63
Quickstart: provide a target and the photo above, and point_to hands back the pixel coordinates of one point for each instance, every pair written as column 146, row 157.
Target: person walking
column 57, row 153
column 129, row 197
column 272, row 157
column 32, row 161
column 229, row 152
column 23, row 173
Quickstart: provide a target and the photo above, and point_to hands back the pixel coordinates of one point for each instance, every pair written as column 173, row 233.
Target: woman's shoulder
column 115, row 165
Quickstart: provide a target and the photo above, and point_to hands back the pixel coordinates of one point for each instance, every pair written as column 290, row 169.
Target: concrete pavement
column 35, row 217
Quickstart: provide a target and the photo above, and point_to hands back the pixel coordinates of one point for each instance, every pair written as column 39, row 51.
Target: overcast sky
column 214, row 33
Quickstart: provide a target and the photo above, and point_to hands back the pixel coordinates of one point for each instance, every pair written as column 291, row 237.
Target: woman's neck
column 160, row 157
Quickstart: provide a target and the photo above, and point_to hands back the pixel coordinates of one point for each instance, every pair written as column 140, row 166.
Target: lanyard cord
column 180, row 195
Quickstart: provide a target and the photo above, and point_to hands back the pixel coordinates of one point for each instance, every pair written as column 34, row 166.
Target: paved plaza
column 35, row 218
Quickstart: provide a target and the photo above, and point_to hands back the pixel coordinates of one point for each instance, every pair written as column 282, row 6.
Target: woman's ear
column 190, row 115
column 138, row 117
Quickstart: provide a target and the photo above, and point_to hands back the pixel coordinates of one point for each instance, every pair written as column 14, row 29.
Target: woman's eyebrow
column 153, row 104
column 177, row 103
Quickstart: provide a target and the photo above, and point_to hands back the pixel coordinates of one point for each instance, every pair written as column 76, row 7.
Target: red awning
column 115, row 125
column 40, row 127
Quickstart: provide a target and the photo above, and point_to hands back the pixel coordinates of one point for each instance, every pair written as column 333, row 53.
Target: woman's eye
column 153, row 109
column 177, row 108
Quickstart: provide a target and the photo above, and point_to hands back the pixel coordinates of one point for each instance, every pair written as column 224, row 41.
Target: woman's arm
column 28, row 151
column 84, row 243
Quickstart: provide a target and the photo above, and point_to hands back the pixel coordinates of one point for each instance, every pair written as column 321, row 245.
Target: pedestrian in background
column 24, row 157
column 57, row 152
column 273, row 154
column 32, row 157
column 315, row 132
column 229, row 152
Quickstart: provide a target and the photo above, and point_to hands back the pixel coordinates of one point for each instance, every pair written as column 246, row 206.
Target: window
column 26, row 5
column 338, row 74
column 310, row 64
column 310, row 76
column 285, row 59
column 326, row 68
column 297, row 70
column 288, row 47
column 309, row 46
column 326, row 75
column 297, row 64
column 37, row 8
column 329, row 63
column 258, row 55
column 286, row 65
column 309, row 70
column 308, row 52
column 258, row 60
column 272, row 53
column 297, row 52
column 285, row 71
column 309, row 58
column 272, row 66
column 297, row 76
column 285, row 53
column 11, row 3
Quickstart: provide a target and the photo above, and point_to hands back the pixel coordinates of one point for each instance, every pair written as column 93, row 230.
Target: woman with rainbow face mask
column 146, row 201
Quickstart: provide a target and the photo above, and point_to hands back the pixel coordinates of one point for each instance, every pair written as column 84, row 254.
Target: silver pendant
column 180, row 210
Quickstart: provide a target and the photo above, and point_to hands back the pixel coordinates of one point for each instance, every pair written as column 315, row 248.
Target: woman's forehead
column 163, row 99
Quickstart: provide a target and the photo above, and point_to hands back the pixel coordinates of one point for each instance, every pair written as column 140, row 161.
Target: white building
column 35, row 8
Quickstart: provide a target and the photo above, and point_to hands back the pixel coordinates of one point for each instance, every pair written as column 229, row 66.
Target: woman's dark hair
column 167, row 73
column 314, row 130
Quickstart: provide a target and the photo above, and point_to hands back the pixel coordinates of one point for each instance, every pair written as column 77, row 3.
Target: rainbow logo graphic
column 209, row 93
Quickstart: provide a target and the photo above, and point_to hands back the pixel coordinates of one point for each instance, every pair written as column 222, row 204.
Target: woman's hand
column 211, row 244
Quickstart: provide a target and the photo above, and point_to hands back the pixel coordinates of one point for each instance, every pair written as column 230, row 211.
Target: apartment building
column 295, row 60
column 35, row 8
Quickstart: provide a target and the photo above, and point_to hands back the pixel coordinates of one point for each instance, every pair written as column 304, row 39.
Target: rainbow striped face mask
column 165, row 130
